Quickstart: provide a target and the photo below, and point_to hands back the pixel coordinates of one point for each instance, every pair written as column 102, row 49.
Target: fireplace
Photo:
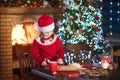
column 23, row 35
column 10, row 19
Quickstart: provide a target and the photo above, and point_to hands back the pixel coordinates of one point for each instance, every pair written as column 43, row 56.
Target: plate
column 91, row 72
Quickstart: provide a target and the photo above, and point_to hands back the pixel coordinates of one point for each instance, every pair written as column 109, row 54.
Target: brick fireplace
column 9, row 17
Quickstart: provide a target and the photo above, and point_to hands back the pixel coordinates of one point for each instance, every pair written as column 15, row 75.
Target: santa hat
column 45, row 23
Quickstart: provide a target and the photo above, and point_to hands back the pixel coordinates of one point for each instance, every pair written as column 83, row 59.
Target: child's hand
column 44, row 63
column 60, row 61
column 47, row 60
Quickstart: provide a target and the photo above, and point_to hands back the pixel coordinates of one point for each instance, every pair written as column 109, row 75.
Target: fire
column 24, row 33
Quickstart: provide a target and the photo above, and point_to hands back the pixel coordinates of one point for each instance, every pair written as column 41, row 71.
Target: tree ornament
column 35, row 4
column 46, row 3
column 81, row 31
column 96, row 28
column 68, row 28
column 71, row 18
column 96, row 18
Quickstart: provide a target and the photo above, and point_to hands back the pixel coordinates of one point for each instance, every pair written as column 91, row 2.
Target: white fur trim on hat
column 44, row 29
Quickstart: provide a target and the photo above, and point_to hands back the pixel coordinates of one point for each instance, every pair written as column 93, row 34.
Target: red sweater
column 52, row 51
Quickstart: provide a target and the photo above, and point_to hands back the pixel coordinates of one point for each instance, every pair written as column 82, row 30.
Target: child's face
column 47, row 34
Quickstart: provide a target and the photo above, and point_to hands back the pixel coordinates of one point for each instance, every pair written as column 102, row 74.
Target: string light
column 118, row 12
column 111, row 17
column 111, row 12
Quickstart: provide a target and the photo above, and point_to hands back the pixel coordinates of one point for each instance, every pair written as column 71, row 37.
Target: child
column 47, row 45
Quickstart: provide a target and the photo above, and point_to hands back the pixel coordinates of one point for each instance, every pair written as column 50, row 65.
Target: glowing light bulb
column 111, row 19
column 111, row 11
column 111, row 3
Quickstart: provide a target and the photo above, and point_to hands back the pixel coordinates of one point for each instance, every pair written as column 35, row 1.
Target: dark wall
column 111, row 10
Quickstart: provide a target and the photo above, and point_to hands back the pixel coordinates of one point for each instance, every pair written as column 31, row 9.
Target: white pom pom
column 45, row 3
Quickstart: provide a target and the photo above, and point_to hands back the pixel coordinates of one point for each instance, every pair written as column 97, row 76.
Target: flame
column 24, row 33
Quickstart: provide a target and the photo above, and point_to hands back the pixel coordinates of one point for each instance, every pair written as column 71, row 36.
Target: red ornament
column 96, row 28
column 92, row 3
column 70, row 18
column 96, row 18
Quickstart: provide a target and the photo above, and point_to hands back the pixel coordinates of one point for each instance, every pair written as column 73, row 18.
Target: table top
column 65, row 73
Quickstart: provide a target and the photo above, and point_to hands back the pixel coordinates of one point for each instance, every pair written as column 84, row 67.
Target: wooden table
column 75, row 75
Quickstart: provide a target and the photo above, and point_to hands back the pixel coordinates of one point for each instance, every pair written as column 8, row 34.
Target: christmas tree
column 81, row 22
